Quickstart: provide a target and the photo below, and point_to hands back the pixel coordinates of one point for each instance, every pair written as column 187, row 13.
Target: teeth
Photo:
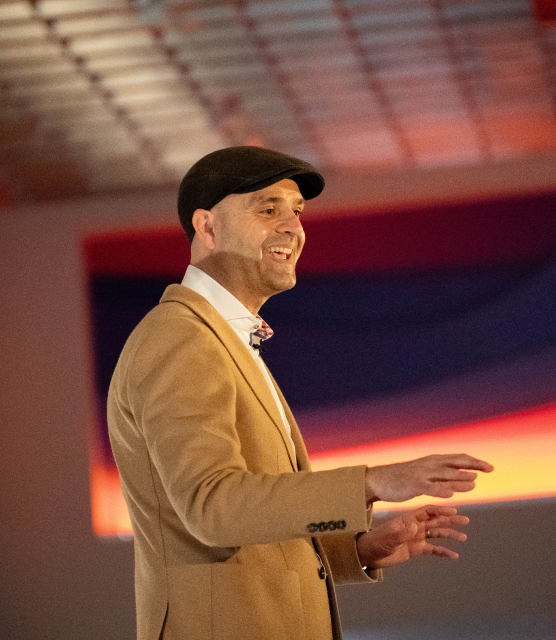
column 280, row 250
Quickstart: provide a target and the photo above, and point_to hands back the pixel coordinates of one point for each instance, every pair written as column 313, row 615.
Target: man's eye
column 269, row 210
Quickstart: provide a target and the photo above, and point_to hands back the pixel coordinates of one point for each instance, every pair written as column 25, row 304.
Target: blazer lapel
column 303, row 463
column 237, row 350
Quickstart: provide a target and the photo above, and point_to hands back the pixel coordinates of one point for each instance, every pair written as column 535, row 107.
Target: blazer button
column 322, row 573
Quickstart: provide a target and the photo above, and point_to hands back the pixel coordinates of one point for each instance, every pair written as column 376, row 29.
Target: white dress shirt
column 242, row 321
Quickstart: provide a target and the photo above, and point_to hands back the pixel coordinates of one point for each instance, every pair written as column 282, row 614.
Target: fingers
column 439, row 533
column 439, row 490
column 436, row 521
column 464, row 461
column 451, row 473
column 440, row 552
column 433, row 510
column 440, row 525
column 446, row 534
column 448, row 487
column 445, row 521
column 439, row 476
column 459, row 486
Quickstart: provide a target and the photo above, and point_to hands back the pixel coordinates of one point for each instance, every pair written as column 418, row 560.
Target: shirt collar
column 227, row 305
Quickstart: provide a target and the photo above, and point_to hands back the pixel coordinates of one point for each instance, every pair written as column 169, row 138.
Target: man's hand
column 409, row 535
column 438, row 475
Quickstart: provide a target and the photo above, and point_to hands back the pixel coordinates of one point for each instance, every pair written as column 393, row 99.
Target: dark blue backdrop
column 353, row 338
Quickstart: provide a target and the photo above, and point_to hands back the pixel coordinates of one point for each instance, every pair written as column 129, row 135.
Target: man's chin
column 277, row 285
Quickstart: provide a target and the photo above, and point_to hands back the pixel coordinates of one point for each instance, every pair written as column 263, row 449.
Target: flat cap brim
column 241, row 170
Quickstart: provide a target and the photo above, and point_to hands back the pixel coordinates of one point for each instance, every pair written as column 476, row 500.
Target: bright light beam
column 522, row 448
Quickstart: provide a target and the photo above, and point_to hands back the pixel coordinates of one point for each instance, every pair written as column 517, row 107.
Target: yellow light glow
column 522, row 448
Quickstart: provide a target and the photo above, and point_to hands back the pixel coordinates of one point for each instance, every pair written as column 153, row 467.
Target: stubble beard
column 275, row 282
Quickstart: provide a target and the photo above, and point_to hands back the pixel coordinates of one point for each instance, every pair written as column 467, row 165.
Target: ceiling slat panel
column 134, row 94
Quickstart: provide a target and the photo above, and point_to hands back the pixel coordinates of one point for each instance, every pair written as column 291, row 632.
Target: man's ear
column 203, row 223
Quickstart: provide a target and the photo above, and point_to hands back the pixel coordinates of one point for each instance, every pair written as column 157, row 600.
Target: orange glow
column 109, row 510
column 522, row 448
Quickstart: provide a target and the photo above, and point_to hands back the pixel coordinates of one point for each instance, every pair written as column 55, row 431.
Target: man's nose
column 290, row 223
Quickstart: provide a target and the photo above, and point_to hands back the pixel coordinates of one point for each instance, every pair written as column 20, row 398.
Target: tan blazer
column 222, row 513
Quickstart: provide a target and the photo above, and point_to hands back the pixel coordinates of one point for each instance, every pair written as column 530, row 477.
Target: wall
column 57, row 579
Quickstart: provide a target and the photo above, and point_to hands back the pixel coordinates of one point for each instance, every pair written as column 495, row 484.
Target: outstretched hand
column 439, row 476
column 409, row 535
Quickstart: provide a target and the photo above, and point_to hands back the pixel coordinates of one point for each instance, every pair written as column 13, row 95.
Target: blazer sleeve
column 345, row 566
column 181, row 391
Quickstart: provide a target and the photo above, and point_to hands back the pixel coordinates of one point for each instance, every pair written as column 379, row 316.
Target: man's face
column 258, row 238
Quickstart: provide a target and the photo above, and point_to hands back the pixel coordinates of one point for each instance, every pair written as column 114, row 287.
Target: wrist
column 359, row 548
column 370, row 492
column 361, row 545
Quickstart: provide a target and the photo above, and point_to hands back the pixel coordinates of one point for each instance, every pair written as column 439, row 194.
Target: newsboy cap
column 240, row 170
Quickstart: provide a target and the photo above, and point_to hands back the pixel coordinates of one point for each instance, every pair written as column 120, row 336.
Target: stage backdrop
column 423, row 331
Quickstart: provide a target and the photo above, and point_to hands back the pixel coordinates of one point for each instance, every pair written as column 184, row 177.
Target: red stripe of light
column 545, row 12
column 487, row 233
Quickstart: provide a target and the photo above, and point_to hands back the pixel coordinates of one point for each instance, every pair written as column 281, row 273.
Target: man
column 235, row 537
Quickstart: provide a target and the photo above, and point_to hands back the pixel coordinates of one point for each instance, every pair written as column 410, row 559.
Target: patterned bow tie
column 264, row 332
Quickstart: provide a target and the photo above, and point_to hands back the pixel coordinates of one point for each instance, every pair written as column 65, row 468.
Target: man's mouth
column 281, row 253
